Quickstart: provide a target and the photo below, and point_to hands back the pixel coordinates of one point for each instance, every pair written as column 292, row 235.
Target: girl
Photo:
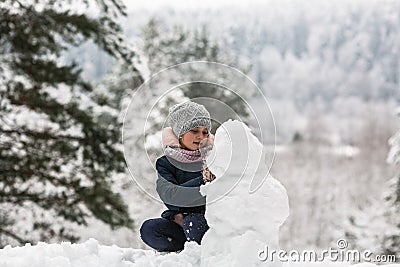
column 181, row 171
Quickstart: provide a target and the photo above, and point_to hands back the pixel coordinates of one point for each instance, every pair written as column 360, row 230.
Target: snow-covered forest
column 330, row 71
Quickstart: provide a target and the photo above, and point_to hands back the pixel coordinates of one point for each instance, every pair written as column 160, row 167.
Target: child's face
column 191, row 139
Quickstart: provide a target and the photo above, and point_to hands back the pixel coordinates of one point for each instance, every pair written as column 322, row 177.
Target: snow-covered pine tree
column 391, row 239
column 376, row 225
column 58, row 143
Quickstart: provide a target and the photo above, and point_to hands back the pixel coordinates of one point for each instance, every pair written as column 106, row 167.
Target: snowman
column 245, row 205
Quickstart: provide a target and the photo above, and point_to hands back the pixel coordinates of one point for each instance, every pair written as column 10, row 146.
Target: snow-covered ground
column 245, row 208
column 92, row 254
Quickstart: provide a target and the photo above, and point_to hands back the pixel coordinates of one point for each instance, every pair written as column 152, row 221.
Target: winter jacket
column 171, row 178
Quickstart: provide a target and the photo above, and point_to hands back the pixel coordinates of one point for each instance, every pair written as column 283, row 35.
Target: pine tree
column 376, row 226
column 58, row 139
column 391, row 240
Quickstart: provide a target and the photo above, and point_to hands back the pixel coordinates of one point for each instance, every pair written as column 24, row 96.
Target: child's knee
column 147, row 230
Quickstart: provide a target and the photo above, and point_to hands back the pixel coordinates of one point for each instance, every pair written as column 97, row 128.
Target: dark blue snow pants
column 165, row 235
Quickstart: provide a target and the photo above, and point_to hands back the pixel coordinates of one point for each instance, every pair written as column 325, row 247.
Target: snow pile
column 241, row 223
column 91, row 254
column 66, row 254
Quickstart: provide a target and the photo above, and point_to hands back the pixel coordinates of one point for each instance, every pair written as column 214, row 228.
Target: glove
column 169, row 214
column 208, row 176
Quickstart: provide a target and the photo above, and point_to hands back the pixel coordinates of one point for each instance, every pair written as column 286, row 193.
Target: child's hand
column 178, row 218
column 208, row 176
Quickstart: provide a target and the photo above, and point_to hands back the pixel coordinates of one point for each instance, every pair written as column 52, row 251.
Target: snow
column 23, row 116
column 242, row 221
column 92, row 254
column 394, row 153
column 62, row 94
column 89, row 253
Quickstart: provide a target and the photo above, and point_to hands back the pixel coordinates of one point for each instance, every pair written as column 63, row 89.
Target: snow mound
column 242, row 221
column 91, row 254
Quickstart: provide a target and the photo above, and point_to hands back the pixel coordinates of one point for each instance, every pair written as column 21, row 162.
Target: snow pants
column 165, row 235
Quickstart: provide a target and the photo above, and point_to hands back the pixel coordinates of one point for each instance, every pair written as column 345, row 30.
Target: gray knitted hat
column 188, row 115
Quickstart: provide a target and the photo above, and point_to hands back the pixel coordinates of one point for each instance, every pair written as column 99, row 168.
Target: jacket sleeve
column 196, row 182
column 164, row 173
column 173, row 195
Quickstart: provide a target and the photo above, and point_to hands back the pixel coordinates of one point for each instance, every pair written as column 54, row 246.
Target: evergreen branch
column 14, row 236
column 20, row 197
column 42, row 135
column 20, row 4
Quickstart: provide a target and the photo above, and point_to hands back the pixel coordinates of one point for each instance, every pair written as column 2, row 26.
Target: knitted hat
column 188, row 115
